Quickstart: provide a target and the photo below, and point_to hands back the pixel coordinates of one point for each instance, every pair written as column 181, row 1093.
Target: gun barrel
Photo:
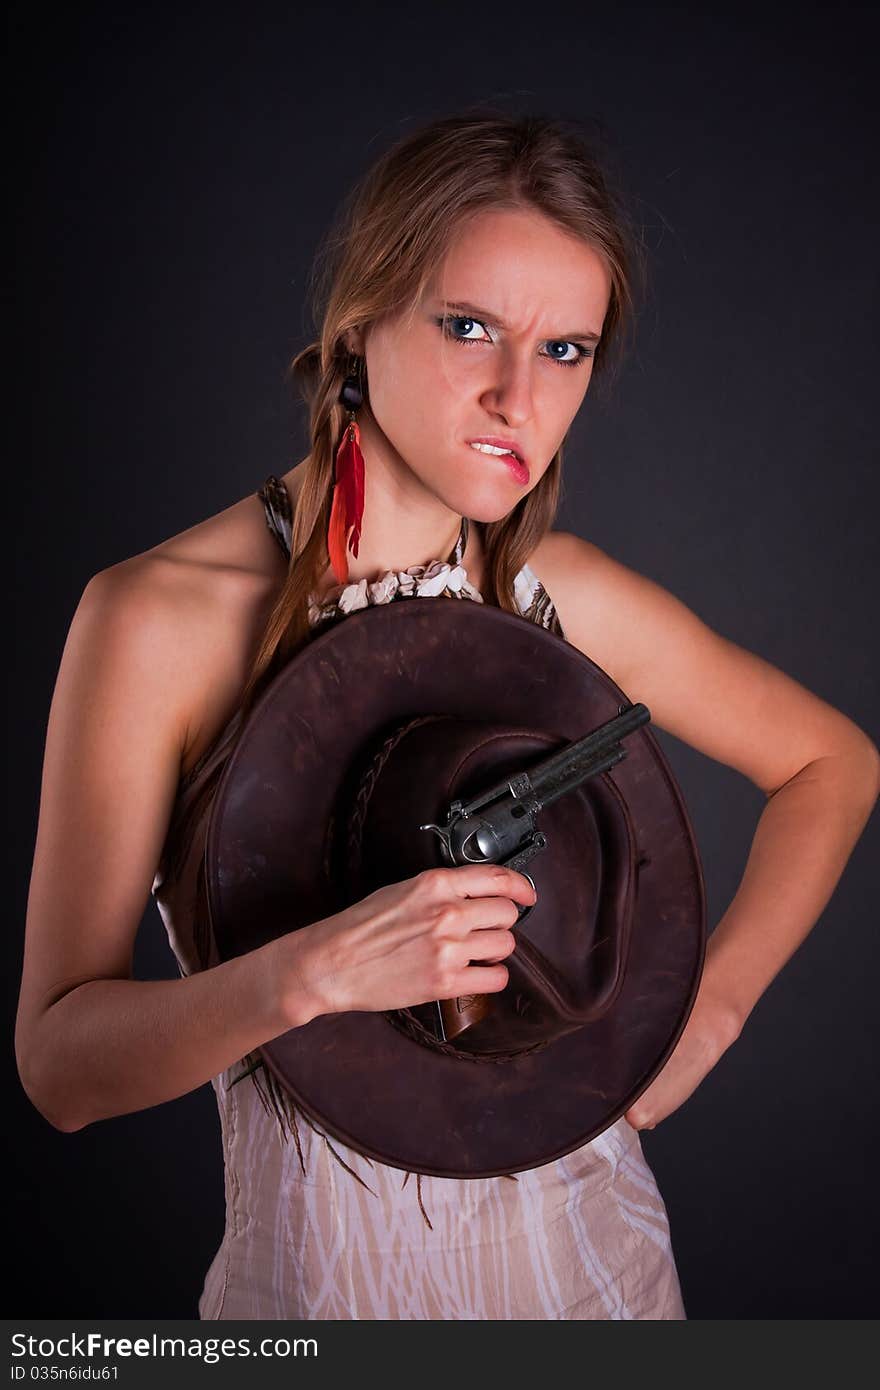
column 592, row 744
column 566, row 779
column 597, row 744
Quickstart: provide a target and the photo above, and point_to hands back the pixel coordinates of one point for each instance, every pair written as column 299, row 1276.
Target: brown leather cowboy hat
column 360, row 744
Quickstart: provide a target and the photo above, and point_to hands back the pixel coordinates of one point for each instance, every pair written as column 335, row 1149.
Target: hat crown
column 571, row 948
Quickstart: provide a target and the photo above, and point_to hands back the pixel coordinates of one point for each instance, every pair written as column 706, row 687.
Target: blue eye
column 460, row 319
column 580, row 353
column 447, row 322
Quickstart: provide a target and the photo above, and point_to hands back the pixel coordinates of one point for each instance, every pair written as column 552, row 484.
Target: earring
column 348, row 492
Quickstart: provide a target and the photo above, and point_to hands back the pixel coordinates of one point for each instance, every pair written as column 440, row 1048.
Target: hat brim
column 354, row 1074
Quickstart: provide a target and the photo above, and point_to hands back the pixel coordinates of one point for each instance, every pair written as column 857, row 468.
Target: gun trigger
column 522, row 856
column 525, row 908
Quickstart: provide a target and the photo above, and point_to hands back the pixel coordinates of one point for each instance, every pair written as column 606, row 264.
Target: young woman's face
column 508, row 355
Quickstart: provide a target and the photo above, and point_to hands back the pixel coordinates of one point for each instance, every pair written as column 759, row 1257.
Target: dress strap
column 279, row 517
column 534, row 603
column 461, row 544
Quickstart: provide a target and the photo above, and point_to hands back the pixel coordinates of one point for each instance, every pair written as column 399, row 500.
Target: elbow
column 872, row 769
column 875, row 755
column 45, row 1100
column 858, row 762
column 55, row 1117
column 62, row 1124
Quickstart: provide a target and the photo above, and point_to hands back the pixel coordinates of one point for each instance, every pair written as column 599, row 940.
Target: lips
column 517, row 466
column 500, row 443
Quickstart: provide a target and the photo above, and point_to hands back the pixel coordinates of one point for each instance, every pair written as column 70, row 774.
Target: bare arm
column 90, row 1041
column 114, row 1046
column 804, row 838
column 819, row 772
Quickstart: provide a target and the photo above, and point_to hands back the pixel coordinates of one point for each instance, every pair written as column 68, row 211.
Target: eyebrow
column 473, row 311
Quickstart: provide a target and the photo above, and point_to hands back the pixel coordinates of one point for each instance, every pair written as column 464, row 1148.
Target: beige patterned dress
column 315, row 1230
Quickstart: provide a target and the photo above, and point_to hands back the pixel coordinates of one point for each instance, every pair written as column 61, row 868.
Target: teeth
column 491, row 449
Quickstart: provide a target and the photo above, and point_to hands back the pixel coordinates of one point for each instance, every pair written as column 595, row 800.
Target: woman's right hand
column 408, row 943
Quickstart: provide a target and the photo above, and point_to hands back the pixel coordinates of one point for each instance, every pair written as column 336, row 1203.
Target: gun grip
column 463, row 1012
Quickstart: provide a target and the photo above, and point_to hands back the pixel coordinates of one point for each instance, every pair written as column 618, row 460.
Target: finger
column 487, row 914
column 491, row 880
column 481, row 979
column 490, row 944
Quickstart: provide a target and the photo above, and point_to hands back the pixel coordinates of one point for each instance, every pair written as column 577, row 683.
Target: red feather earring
column 348, row 493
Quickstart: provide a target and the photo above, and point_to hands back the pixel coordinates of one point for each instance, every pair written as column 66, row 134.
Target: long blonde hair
column 391, row 233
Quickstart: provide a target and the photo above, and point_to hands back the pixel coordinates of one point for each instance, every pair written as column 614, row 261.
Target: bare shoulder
column 587, row 588
column 199, row 601
column 725, row 701
column 617, row 616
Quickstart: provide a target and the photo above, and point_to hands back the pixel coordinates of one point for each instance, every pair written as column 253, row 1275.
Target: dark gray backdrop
column 172, row 173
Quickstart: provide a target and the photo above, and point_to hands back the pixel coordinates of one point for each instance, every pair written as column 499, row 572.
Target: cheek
column 416, row 388
column 435, row 379
column 403, row 403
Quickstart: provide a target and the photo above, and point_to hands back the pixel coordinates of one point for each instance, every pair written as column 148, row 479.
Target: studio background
column 173, row 174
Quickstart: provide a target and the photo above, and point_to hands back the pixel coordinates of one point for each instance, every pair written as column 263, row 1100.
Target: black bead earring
column 351, row 395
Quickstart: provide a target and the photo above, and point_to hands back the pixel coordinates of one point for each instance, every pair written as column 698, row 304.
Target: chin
column 486, row 503
column 487, row 516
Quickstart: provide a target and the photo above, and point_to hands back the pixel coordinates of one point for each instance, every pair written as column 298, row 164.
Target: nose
column 511, row 393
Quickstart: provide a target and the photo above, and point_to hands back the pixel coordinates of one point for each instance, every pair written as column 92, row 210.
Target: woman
column 482, row 275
